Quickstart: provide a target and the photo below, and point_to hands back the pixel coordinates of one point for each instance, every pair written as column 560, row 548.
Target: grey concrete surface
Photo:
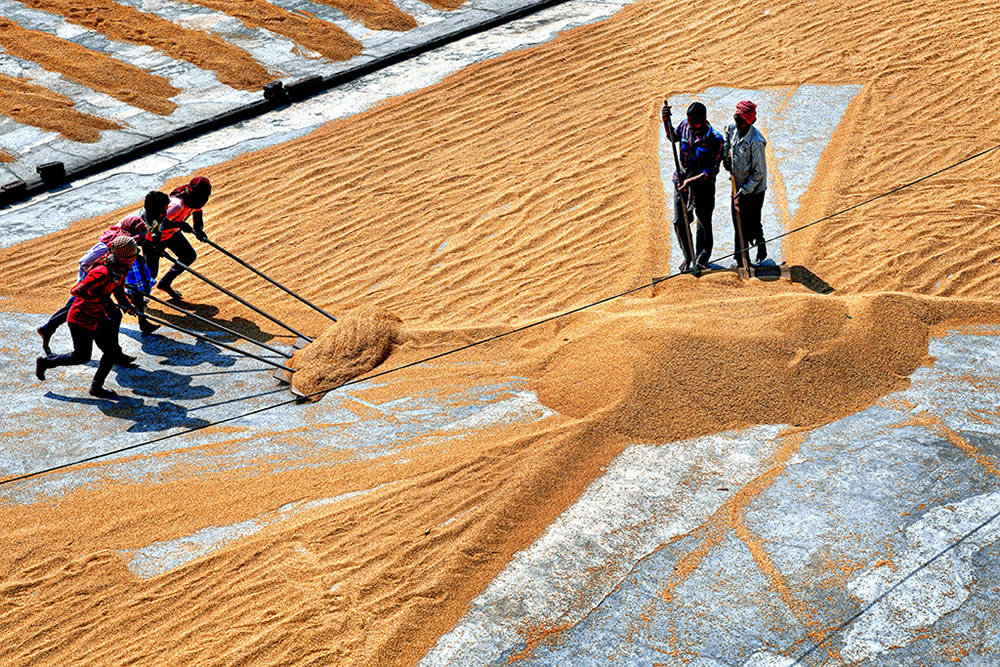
column 880, row 515
column 182, row 383
column 876, row 514
column 111, row 189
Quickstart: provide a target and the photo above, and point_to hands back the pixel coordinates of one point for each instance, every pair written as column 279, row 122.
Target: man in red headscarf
column 135, row 225
column 93, row 318
column 743, row 155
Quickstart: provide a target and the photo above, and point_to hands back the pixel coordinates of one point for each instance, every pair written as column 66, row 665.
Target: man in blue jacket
column 700, row 155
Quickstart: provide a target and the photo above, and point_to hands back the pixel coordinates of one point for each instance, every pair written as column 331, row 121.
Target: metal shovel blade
column 285, row 378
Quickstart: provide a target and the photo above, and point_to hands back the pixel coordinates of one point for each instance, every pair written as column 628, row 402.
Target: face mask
column 119, row 265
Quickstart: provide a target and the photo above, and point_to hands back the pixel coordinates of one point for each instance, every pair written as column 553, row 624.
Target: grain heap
column 359, row 341
column 682, row 366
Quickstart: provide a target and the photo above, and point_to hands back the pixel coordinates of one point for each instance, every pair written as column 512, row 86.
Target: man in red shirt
column 93, row 319
column 135, row 225
column 185, row 202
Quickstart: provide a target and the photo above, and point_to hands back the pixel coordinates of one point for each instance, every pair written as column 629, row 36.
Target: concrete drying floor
column 202, row 96
column 887, row 520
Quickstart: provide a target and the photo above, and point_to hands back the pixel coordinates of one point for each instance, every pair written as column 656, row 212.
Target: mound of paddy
column 681, row 370
column 358, row 342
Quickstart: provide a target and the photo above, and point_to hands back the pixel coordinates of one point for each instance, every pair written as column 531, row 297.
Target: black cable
column 483, row 341
column 892, row 588
column 864, row 203
column 88, row 459
column 655, row 281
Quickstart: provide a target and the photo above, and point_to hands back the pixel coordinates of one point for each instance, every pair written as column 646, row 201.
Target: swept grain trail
column 36, row 105
column 322, row 37
column 378, row 14
column 233, row 66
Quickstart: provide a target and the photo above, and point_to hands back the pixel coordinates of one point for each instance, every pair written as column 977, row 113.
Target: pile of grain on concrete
column 677, row 369
column 359, row 341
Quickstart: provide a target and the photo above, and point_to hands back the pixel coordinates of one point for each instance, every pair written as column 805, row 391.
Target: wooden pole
column 215, row 324
column 742, row 250
column 243, row 301
column 160, row 320
column 689, row 254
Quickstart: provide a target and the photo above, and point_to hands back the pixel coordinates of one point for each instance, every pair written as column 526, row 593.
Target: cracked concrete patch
column 863, row 504
column 928, row 577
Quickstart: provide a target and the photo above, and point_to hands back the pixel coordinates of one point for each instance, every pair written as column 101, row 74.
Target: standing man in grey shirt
column 743, row 156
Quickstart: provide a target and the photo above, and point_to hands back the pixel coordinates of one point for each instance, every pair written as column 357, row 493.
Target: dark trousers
column 137, row 299
column 753, row 230
column 702, row 205
column 139, row 305
column 106, row 339
column 181, row 249
column 57, row 320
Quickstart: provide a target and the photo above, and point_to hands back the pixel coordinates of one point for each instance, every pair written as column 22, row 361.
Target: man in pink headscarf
column 743, row 155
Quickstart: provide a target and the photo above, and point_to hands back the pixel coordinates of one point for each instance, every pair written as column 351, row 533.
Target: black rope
column 892, row 588
column 875, row 198
column 483, row 341
column 95, row 457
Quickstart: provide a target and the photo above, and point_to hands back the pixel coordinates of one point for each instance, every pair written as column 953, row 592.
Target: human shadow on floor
column 768, row 270
column 147, row 417
column 240, row 325
column 797, row 274
column 176, row 352
column 803, row 276
column 160, row 383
